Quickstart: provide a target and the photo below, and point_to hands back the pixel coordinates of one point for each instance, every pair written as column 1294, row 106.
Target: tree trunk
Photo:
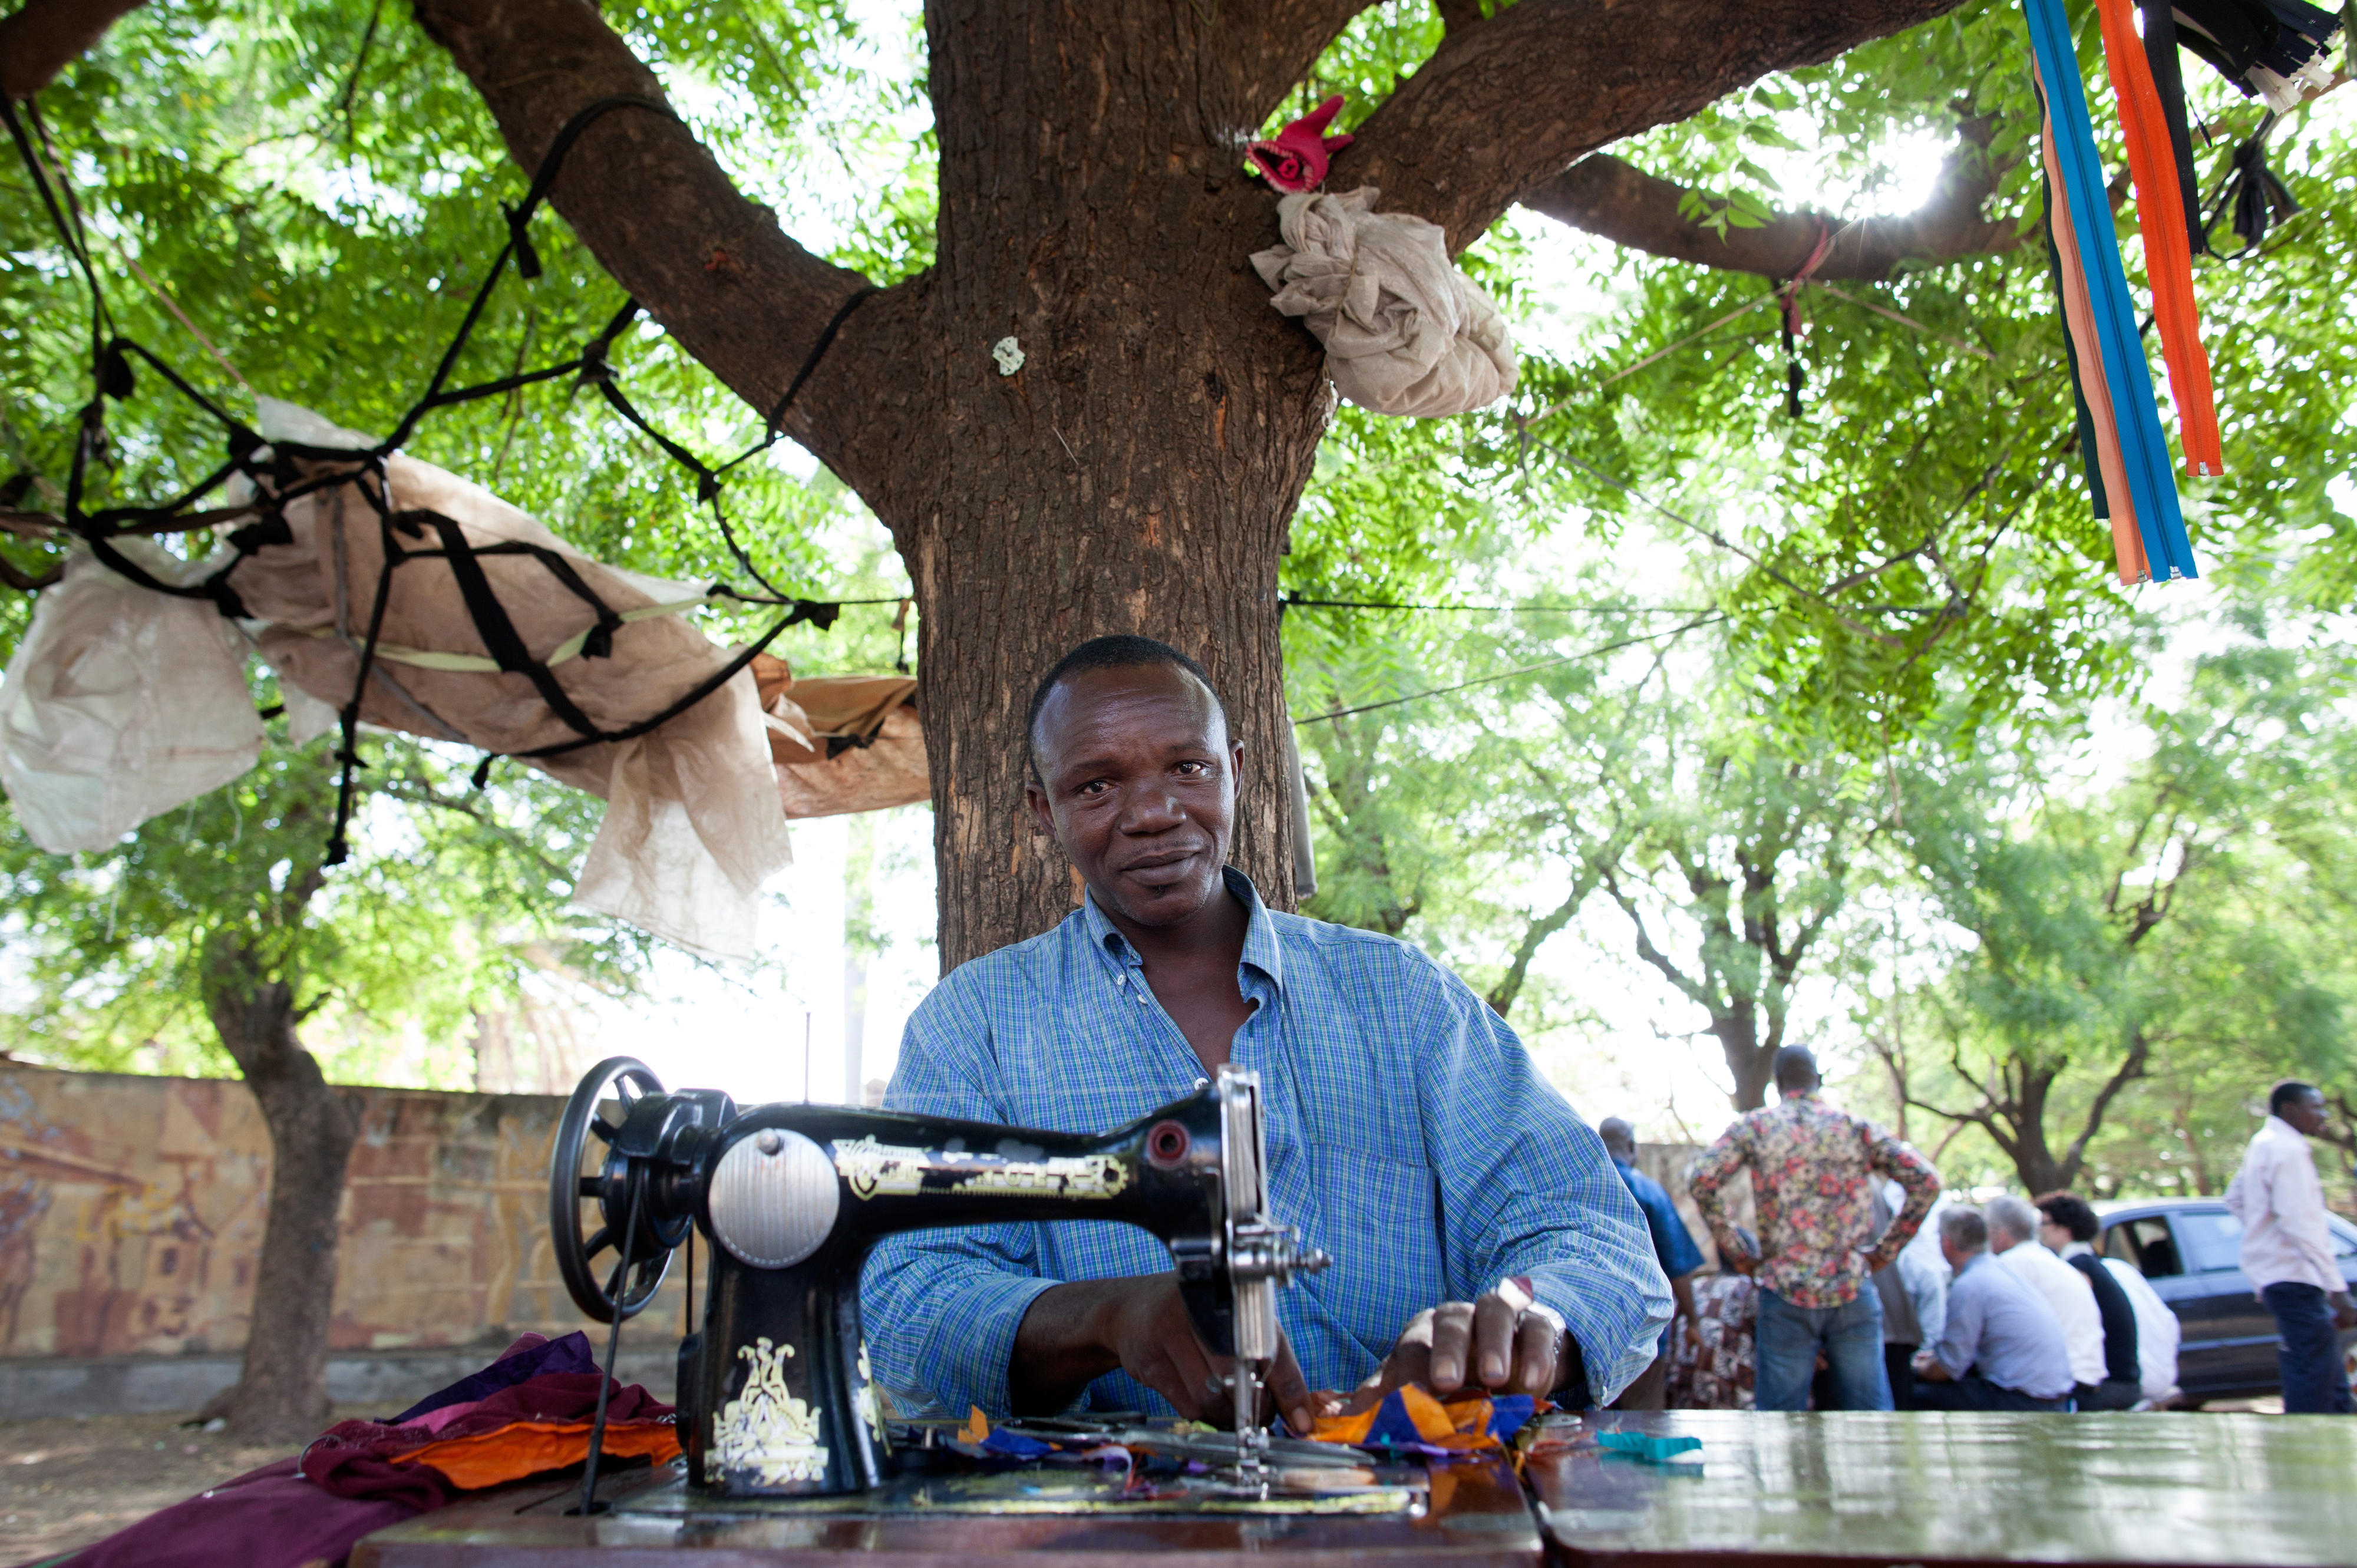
column 281, row 1392
column 1135, row 474
column 1749, row 1058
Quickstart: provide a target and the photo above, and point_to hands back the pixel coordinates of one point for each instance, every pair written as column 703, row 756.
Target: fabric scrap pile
column 1411, row 1420
column 527, row 1414
column 2271, row 49
column 1404, row 331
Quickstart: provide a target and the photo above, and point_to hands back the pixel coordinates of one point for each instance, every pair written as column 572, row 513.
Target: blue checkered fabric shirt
column 1408, row 1135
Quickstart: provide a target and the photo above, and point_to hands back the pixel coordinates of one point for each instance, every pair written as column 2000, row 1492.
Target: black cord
column 589, row 1503
column 112, row 376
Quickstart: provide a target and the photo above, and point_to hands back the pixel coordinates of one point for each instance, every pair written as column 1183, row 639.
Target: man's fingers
column 1494, row 1346
column 1289, row 1390
column 1538, row 1350
column 1452, row 1345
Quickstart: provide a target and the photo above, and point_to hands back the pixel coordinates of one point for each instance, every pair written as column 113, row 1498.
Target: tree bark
column 43, row 36
column 281, row 1391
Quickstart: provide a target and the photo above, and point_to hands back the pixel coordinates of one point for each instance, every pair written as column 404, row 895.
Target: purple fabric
column 350, row 1459
column 270, row 1518
column 527, row 1358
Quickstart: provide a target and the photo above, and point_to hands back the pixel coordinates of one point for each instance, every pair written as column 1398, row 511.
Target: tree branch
column 1619, row 203
column 1506, row 105
column 1502, row 998
column 44, row 36
column 660, row 214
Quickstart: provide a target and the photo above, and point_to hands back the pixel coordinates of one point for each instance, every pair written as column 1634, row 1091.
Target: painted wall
column 132, row 1210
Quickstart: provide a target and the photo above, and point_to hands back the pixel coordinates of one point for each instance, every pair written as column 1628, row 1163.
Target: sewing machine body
column 775, row 1394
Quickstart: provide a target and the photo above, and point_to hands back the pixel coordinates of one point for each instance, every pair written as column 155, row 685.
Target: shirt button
column 1203, row 1083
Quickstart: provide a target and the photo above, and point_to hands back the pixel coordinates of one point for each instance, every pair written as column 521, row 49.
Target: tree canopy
column 1782, row 670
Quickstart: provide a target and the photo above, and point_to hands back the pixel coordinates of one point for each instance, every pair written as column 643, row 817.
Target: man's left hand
column 1504, row 1343
column 2344, row 1312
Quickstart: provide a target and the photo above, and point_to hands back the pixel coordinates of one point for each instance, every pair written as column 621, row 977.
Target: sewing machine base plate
column 1467, row 1516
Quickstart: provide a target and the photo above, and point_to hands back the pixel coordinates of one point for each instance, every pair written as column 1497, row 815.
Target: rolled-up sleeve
column 941, row 1308
column 1526, row 1190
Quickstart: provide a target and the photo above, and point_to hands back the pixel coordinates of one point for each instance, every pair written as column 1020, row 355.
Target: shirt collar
column 2287, row 1128
column 2074, row 1249
column 1974, row 1261
column 1262, row 949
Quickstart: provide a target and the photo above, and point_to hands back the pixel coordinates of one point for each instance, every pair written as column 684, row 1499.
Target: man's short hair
column 1962, row 1226
column 1796, row 1064
column 2287, row 1091
column 1125, row 651
column 1614, row 1130
column 2071, row 1212
column 2012, row 1216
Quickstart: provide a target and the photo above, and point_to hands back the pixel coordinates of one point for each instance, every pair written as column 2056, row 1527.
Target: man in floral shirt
column 1813, row 1172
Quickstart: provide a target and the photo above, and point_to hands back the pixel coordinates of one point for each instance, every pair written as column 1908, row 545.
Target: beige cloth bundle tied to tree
column 693, row 825
column 1404, row 331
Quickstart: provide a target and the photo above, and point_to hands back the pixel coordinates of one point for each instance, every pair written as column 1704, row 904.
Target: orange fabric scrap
column 529, row 1448
column 1459, row 1424
column 977, row 1425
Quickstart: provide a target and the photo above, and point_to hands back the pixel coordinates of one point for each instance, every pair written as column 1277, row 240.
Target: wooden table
column 2127, row 1491
column 1478, row 1518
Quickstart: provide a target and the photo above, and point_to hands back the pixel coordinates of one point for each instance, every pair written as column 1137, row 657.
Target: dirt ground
column 66, row 1483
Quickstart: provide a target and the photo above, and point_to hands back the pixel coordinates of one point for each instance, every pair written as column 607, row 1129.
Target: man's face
column 2306, row 1113
column 2055, row 1237
column 1138, row 782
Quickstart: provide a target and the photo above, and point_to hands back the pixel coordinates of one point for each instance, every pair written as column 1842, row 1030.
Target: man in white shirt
column 2157, row 1333
column 2013, row 1242
column 2288, row 1251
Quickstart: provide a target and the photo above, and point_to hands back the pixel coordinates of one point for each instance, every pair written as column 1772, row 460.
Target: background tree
column 2179, row 928
column 214, row 938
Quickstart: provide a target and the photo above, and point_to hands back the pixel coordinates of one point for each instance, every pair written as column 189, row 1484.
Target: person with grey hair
column 2000, row 1348
column 2013, row 1242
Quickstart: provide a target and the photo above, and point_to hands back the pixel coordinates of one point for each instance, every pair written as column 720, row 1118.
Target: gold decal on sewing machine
column 870, row 1167
column 765, row 1431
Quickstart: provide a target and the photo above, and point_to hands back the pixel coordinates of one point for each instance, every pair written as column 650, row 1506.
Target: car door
column 2239, row 1331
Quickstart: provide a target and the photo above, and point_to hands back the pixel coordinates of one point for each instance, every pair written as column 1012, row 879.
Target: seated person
column 2000, row 1348
column 1480, row 1237
column 2013, row 1242
column 2067, row 1227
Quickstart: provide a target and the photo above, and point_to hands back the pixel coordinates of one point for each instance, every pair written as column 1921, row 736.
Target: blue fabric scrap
column 1644, row 1446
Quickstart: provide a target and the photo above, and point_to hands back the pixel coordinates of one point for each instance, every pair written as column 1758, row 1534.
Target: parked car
column 2189, row 1249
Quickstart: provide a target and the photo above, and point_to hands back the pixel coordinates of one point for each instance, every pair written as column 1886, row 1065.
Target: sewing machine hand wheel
column 594, row 1279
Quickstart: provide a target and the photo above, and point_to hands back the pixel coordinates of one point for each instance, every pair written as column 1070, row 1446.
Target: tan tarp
column 118, row 686
column 869, row 722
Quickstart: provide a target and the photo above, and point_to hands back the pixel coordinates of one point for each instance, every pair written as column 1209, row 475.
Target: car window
column 2148, row 1244
column 2212, row 1238
column 2344, row 1236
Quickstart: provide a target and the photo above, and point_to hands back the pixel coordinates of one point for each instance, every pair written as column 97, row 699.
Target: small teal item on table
column 1644, row 1446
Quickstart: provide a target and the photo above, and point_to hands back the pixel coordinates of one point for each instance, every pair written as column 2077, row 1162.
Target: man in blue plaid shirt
column 1481, row 1235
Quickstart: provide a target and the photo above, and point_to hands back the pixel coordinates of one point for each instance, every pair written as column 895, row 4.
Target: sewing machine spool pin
column 774, row 1396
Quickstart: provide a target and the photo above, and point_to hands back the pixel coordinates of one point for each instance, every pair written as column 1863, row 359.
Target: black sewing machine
column 774, row 1393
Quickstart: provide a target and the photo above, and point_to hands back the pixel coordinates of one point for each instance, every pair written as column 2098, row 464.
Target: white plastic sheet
column 121, row 703
column 1404, row 331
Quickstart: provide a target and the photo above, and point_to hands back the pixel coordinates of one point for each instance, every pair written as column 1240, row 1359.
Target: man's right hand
column 2344, row 1312
column 1077, row 1332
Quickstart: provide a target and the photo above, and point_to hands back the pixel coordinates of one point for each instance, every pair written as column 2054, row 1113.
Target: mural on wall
column 132, row 1212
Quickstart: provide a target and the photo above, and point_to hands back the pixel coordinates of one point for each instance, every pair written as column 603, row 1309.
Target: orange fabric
column 977, row 1425
column 2128, row 540
column 528, row 1448
column 2167, row 253
column 1460, row 1423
